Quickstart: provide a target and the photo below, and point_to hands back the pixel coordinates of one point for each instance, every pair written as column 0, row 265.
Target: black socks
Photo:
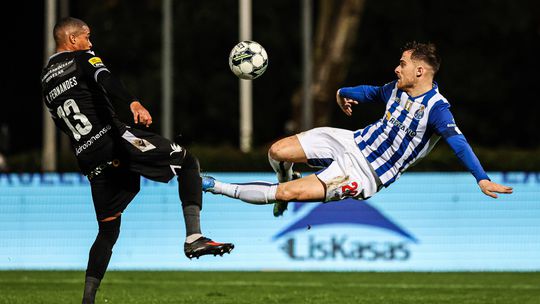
column 90, row 288
column 190, row 191
column 192, row 219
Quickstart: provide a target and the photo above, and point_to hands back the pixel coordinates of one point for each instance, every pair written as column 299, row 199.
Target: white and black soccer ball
column 248, row 60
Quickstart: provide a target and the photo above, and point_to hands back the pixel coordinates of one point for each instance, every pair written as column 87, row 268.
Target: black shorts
column 143, row 154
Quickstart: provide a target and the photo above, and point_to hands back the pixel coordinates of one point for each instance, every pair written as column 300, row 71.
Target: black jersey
column 80, row 107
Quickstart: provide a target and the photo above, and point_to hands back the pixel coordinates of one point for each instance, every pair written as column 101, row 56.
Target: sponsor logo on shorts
column 140, row 143
column 176, row 148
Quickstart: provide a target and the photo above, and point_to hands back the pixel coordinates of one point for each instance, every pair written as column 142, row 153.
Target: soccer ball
column 248, row 60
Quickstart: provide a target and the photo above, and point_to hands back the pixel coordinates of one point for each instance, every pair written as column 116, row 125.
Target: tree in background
column 335, row 36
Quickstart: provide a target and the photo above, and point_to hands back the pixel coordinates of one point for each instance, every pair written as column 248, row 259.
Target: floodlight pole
column 167, row 70
column 48, row 153
column 246, row 89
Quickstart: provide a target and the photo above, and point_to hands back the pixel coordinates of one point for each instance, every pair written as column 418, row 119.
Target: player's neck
column 62, row 49
column 66, row 48
column 420, row 88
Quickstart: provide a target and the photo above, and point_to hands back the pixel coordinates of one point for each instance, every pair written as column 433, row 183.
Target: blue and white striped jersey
column 409, row 129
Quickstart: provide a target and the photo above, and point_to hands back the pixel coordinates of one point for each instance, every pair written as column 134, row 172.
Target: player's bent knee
column 190, row 161
column 284, row 149
column 289, row 196
column 283, row 196
column 111, row 218
column 285, row 193
column 307, row 189
column 109, row 232
column 274, row 151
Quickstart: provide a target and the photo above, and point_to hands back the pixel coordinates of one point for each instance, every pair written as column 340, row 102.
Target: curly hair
column 426, row 52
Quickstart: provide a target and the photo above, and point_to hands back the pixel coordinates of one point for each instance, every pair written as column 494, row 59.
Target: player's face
column 406, row 72
column 82, row 40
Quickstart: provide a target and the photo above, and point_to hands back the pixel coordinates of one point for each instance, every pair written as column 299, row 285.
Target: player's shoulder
column 90, row 57
column 84, row 53
column 438, row 100
column 390, row 85
column 387, row 89
column 438, row 106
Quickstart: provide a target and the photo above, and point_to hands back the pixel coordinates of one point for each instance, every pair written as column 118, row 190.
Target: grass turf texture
column 273, row 287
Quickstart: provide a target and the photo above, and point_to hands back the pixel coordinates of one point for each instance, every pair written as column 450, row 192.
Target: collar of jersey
column 435, row 87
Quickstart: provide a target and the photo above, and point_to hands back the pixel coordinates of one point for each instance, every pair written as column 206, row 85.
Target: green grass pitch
column 273, row 287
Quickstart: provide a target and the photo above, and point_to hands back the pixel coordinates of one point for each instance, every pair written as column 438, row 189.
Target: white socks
column 192, row 238
column 258, row 193
column 283, row 169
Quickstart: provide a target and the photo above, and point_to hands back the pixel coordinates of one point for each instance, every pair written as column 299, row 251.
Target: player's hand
column 345, row 104
column 140, row 114
column 490, row 188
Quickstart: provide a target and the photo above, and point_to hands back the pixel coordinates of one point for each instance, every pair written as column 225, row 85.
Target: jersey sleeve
column 443, row 123
column 367, row 93
column 94, row 67
column 115, row 87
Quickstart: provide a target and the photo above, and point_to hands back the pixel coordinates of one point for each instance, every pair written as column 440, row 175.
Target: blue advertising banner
column 423, row 222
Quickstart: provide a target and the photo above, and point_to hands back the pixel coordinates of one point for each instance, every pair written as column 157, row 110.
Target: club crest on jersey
column 96, row 62
column 419, row 113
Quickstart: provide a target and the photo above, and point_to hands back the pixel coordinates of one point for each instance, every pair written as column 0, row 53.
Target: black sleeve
column 114, row 87
column 94, row 67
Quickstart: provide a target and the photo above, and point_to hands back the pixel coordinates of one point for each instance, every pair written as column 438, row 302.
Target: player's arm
column 348, row 96
column 115, row 88
column 442, row 120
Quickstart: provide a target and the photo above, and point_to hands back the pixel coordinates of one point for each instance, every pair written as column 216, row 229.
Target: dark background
column 489, row 71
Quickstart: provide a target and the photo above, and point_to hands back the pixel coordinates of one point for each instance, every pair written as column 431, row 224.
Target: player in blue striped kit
column 359, row 164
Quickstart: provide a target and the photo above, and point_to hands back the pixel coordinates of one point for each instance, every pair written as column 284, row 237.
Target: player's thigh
column 153, row 156
column 288, row 149
column 305, row 189
column 113, row 190
column 349, row 176
column 324, row 145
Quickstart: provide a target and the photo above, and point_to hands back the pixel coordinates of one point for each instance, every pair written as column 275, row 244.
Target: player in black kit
column 77, row 89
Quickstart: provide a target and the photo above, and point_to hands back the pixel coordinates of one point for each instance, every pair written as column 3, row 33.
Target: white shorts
column 347, row 173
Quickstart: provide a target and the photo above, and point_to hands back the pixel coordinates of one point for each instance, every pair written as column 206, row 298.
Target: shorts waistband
column 100, row 168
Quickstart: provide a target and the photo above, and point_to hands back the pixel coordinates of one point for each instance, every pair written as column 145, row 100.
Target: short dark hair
column 426, row 52
column 64, row 23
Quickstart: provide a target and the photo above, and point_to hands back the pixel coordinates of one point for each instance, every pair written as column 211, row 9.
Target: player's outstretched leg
column 258, row 193
column 306, row 189
column 189, row 189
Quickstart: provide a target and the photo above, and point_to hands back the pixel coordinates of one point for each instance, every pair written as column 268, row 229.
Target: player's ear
column 72, row 39
column 419, row 71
